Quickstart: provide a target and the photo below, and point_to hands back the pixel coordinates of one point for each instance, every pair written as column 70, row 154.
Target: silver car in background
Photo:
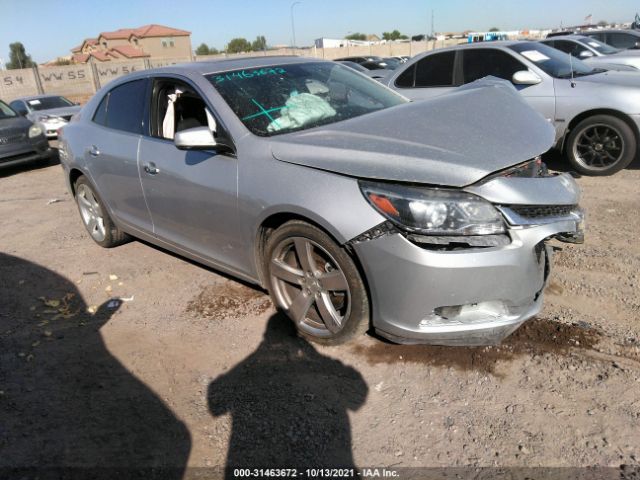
column 21, row 141
column 351, row 205
column 595, row 53
column 595, row 112
column 51, row 111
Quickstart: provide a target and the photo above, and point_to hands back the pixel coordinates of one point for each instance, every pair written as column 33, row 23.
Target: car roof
column 36, row 97
column 567, row 37
column 612, row 30
column 215, row 66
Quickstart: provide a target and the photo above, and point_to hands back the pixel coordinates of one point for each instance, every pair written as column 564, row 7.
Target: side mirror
column 199, row 138
column 585, row 54
column 525, row 77
column 22, row 112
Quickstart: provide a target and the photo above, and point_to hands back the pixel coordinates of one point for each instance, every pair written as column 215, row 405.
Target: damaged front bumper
column 465, row 295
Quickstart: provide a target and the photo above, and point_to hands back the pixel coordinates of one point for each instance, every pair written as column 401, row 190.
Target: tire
column 601, row 145
column 95, row 217
column 316, row 283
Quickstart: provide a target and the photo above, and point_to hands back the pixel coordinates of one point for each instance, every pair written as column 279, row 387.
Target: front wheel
column 316, row 283
column 601, row 145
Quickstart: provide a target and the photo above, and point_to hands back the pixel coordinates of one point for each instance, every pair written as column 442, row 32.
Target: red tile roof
column 154, row 30
column 122, row 33
column 80, row 58
column 128, row 51
column 100, row 56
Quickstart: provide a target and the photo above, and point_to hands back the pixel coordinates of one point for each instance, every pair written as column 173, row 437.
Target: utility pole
column 293, row 25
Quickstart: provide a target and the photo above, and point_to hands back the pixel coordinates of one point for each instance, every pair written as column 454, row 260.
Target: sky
column 49, row 29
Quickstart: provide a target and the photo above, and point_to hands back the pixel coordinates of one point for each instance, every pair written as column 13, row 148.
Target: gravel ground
column 191, row 368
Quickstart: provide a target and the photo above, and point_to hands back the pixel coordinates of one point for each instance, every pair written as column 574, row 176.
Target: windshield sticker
column 535, row 56
column 264, row 111
column 243, row 74
column 594, row 44
column 34, row 102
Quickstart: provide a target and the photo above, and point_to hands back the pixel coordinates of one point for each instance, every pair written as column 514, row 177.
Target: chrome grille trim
column 524, row 215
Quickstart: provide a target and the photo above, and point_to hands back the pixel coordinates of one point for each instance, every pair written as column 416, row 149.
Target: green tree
column 259, row 44
column 63, row 61
column 18, row 57
column 202, row 49
column 238, row 45
column 356, row 36
column 494, row 29
column 395, row 35
column 603, row 23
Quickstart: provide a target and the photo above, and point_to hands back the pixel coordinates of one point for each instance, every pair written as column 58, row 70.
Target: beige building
column 149, row 41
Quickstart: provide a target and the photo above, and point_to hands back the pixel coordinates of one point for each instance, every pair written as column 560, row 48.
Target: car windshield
column 45, row 103
column 354, row 65
column 598, row 46
column 553, row 62
column 6, row 111
column 285, row 98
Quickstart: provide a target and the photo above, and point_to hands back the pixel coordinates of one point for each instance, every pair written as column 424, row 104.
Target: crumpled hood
column 455, row 139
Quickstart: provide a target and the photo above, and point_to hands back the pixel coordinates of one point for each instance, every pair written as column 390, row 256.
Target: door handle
column 93, row 151
column 151, row 168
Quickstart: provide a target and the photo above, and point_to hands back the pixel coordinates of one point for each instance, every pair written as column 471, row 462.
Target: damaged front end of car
column 465, row 266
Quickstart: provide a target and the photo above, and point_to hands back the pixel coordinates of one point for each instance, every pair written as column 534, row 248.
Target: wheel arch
column 74, row 174
column 599, row 111
column 275, row 220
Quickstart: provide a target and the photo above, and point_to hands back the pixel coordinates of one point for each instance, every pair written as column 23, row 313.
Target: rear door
column 111, row 152
column 429, row 77
column 192, row 195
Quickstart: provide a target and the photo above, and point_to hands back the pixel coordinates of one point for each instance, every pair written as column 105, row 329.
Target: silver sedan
column 595, row 112
column 595, row 53
column 352, row 206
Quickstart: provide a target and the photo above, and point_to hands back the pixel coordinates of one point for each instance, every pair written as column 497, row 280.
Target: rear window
column 123, row 107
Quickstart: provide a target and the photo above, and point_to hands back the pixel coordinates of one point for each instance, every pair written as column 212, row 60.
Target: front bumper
column 51, row 127
column 474, row 296
column 24, row 152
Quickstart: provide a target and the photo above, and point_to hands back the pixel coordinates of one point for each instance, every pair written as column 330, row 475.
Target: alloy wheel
column 598, row 146
column 91, row 212
column 310, row 286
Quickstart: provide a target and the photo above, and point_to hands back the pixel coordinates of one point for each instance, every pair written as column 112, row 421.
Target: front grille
column 21, row 156
column 15, row 138
column 542, row 211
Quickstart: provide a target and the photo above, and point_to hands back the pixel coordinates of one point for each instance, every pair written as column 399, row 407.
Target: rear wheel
column 316, row 283
column 601, row 145
column 95, row 217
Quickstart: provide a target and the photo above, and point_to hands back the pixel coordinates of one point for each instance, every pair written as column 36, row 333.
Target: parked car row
column 21, row 140
column 595, row 112
column 354, row 207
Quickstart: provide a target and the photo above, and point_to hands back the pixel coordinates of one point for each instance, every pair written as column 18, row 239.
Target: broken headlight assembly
column 433, row 211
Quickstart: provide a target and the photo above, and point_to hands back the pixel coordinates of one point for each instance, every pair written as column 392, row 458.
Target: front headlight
column 35, row 131
column 433, row 211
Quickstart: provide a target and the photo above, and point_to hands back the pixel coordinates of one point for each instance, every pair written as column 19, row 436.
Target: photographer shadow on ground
column 68, row 408
column 288, row 404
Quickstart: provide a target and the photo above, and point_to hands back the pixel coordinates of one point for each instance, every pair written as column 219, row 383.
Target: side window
column 478, row 63
column 571, row 48
column 19, row 107
column 176, row 107
column 100, row 116
column 622, row 40
column 597, row 36
column 125, row 107
column 435, row 70
column 405, row 80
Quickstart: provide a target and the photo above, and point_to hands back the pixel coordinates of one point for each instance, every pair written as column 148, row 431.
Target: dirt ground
column 190, row 368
